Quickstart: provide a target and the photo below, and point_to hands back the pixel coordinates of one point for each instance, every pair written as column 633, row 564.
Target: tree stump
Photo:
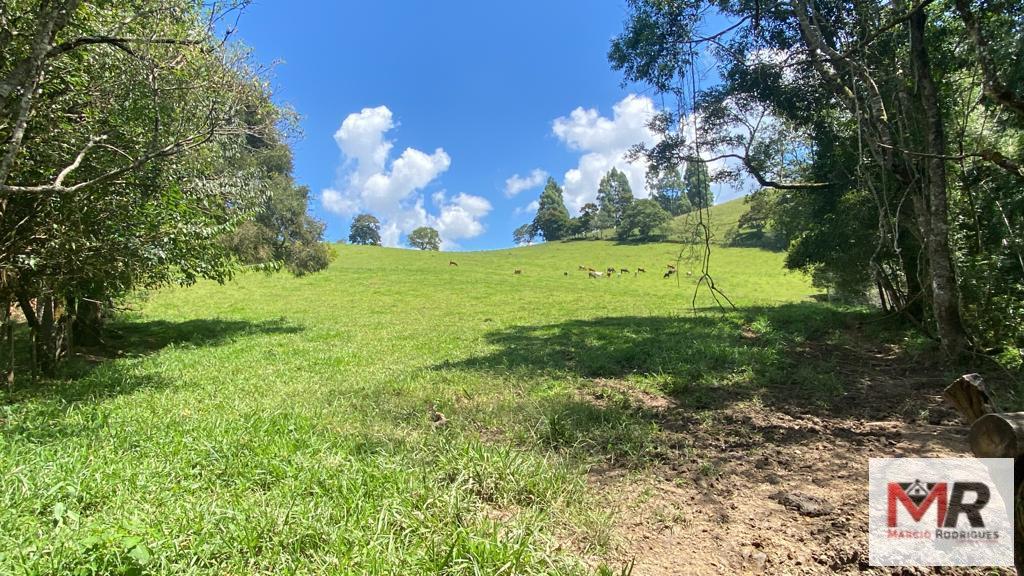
column 969, row 397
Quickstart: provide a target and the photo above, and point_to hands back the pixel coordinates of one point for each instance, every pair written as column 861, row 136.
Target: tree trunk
column 88, row 322
column 883, row 297
column 911, row 262
column 945, row 299
column 46, row 345
column 25, row 76
column 51, row 334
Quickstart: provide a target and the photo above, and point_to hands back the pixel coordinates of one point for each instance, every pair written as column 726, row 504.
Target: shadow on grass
column 756, row 239
column 650, row 386
column 703, row 361
column 135, row 338
column 91, row 374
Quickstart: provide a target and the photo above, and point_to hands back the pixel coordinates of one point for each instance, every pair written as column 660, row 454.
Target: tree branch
column 987, row 154
column 121, row 43
column 57, row 186
column 762, row 180
column 994, row 87
column 78, row 161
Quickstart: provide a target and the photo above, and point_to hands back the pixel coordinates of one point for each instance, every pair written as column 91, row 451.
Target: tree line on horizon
column 673, row 194
column 616, row 208
column 365, row 230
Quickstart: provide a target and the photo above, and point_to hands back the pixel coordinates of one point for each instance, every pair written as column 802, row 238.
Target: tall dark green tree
column 365, row 230
column 587, row 220
column 670, row 192
column 614, row 194
column 552, row 219
column 281, row 232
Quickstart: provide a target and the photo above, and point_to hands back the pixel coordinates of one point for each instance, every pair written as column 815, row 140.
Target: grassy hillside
column 722, row 219
column 282, row 425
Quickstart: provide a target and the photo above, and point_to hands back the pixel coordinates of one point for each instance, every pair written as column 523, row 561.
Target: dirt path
column 755, row 489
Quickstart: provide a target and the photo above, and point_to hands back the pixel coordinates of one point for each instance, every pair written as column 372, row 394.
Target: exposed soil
column 758, row 489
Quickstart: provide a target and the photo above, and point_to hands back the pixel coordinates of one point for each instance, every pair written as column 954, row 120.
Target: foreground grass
column 281, row 425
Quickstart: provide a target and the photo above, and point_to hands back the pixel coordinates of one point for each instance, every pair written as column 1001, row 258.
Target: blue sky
column 443, row 103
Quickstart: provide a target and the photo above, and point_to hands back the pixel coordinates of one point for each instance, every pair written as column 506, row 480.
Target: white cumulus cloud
column 516, row 183
column 460, row 218
column 370, row 181
column 336, row 202
column 604, row 142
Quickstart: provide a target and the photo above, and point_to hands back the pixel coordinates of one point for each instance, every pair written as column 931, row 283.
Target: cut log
column 969, row 397
column 998, row 435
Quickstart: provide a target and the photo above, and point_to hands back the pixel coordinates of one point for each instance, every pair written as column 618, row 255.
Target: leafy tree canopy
column 524, row 234
column 365, row 230
column 670, row 193
column 641, row 219
column 128, row 131
column 891, row 133
column 282, row 232
column 425, row 238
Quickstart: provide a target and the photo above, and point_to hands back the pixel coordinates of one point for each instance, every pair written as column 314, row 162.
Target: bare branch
column 78, row 161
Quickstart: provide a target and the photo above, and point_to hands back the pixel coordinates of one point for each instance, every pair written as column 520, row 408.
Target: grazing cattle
column 453, row 263
column 669, row 273
column 517, row 271
column 565, row 273
column 671, row 267
column 591, row 269
column 610, row 271
column 639, row 270
column 623, row 270
column 581, row 268
column 595, row 274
